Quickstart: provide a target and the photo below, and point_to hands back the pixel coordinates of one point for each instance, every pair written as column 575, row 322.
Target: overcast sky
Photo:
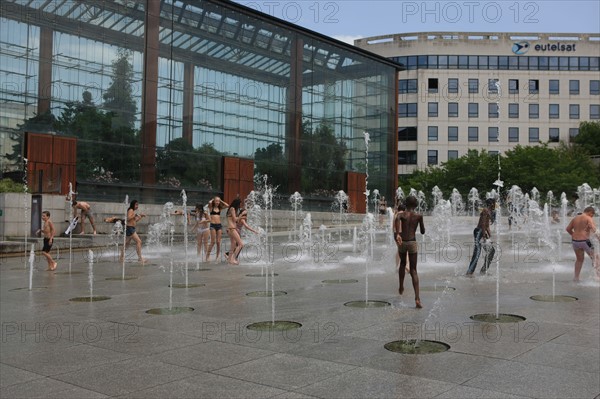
column 347, row 20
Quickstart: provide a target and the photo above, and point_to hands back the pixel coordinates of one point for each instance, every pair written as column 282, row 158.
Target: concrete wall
column 16, row 215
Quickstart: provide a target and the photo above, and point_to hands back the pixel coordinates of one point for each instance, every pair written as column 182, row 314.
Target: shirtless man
column 581, row 228
column 48, row 232
column 86, row 210
column 132, row 218
column 405, row 226
column 483, row 232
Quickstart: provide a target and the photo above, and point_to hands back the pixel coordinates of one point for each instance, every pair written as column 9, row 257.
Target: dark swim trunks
column 47, row 246
column 129, row 231
column 216, row 226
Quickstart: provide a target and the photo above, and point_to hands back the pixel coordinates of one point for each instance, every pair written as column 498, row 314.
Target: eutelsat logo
column 520, row 48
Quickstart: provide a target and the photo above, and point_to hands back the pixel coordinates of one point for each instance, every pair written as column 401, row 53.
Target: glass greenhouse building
column 149, row 97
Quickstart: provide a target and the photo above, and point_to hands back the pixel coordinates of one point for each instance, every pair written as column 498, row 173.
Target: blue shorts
column 216, row 226
column 129, row 231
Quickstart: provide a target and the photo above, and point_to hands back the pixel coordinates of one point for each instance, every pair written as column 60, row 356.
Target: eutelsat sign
column 521, row 48
column 554, row 47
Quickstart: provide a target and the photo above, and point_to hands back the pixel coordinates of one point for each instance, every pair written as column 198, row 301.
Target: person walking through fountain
column 86, row 210
column 215, row 206
column 483, row 233
column 242, row 221
column 48, row 232
column 405, row 227
column 236, row 243
column 580, row 229
column 130, row 233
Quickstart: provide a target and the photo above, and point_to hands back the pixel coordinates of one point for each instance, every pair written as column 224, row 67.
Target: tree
column 559, row 169
column 178, row 162
column 271, row 161
column 108, row 145
column 323, row 159
column 589, row 137
column 118, row 98
column 482, row 170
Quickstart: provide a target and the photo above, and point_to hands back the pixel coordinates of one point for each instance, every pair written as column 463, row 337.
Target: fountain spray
column 185, row 233
column 31, row 260
column 499, row 184
column 25, row 190
column 125, row 236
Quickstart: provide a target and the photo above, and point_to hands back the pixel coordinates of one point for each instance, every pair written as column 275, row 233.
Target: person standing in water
column 580, row 229
column 215, row 206
column 483, row 233
column 405, row 227
column 48, row 232
column 202, row 229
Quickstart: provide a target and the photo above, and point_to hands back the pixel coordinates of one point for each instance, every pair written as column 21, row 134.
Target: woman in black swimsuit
column 215, row 206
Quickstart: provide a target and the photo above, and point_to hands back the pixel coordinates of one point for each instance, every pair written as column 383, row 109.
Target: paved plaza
column 53, row 347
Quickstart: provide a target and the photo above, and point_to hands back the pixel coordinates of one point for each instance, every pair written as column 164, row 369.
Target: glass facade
column 158, row 92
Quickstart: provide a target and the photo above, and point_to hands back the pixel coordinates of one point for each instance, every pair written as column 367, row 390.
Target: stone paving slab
column 52, row 347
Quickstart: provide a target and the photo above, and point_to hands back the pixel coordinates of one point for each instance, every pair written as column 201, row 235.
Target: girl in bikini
column 232, row 231
column 202, row 229
column 215, row 206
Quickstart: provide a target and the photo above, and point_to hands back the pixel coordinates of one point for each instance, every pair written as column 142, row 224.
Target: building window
column 406, row 110
column 452, row 133
column 573, row 132
column 407, row 86
column 452, row 85
column 473, row 85
column 534, row 111
column 473, row 133
column 554, row 86
column 407, row 133
column 452, row 110
column 432, row 85
column 432, row 133
column 573, row 86
column 594, row 111
column 573, row 111
column 432, row 109
column 513, row 86
column 473, row 110
column 492, row 88
column 452, row 154
column 594, row 87
column 534, row 86
column 407, row 157
column 534, row 135
column 513, row 110
column 554, row 111
column 493, row 110
column 513, row 134
column 492, row 134
column 432, row 158
column 553, row 135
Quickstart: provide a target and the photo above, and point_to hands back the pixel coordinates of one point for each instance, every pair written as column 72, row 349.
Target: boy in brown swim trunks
column 405, row 227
